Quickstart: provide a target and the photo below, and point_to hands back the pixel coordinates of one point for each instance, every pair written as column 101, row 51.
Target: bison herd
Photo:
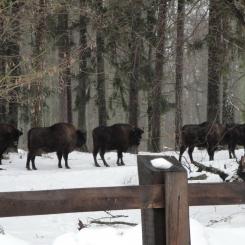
column 210, row 136
column 63, row 138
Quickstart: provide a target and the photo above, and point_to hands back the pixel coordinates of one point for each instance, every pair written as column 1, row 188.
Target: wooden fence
column 164, row 197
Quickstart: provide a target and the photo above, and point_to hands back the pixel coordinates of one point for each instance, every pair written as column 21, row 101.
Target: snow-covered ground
column 212, row 225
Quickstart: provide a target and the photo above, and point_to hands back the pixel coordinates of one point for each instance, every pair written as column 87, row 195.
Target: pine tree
column 100, row 65
column 135, row 49
column 149, row 76
column 179, row 70
column 3, row 102
column 64, row 45
column 157, row 83
column 13, row 52
column 38, row 63
column 83, row 87
column 215, row 53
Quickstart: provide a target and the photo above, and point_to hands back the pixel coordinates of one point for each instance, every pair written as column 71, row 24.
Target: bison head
column 81, row 138
column 15, row 136
column 135, row 136
column 13, row 140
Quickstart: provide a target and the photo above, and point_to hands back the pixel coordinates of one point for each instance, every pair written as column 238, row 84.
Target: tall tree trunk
column 83, row 84
column 100, row 67
column 135, row 44
column 214, row 60
column 38, row 53
column 3, row 102
column 149, row 100
column 179, row 70
column 14, row 63
column 227, row 75
column 68, row 87
column 65, row 72
column 157, row 83
column 149, row 74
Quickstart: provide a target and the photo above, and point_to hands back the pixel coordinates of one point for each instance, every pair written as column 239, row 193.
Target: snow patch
column 6, row 239
column 161, row 163
column 104, row 236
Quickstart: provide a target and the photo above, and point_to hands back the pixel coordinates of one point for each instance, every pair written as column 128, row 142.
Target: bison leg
column 190, row 151
column 28, row 161
column 102, row 153
column 31, row 157
column 33, row 162
column 59, row 155
column 3, row 149
column 182, row 150
column 211, row 153
column 65, row 156
column 120, row 156
column 231, row 149
column 95, row 152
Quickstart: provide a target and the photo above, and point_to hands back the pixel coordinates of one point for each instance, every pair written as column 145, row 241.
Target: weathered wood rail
column 164, row 197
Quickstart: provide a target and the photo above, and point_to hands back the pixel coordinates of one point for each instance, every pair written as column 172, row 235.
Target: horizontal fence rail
column 80, row 200
column 216, row 194
column 114, row 198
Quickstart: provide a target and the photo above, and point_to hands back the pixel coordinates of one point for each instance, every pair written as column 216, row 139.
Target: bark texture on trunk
column 14, row 63
column 179, row 70
column 102, row 111
column 38, row 63
column 157, row 83
column 64, row 61
column 3, row 102
column 214, row 61
column 135, row 45
column 82, row 96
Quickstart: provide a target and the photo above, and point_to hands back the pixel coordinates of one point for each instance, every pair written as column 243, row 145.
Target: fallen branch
column 81, row 225
column 199, row 177
column 111, row 216
column 99, row 222
column 115, row 216
column 212, row 170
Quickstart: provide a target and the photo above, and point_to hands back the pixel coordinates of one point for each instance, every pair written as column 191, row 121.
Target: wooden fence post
column 170, row 225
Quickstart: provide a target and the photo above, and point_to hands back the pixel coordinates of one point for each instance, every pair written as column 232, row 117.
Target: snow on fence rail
column 163, row 195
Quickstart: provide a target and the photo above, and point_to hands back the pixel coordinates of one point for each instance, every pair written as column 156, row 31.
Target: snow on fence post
column 168, row 225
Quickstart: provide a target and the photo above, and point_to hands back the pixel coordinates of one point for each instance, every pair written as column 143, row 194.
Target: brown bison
column 207, row 134
column 9, row 137
column 235, row 136
column 61, row 138
column 116, row 137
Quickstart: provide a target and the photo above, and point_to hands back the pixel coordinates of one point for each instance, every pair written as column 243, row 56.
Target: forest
column 156, row 64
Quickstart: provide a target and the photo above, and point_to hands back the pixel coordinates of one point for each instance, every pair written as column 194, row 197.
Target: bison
column 116, row 137
column 206, row 134
column 9, row 137
column 61, row 138
column 235, row 136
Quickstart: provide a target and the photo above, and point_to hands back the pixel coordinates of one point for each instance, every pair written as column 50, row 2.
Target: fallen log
column 210, row 169
column 199, row 177
column 99, row 222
